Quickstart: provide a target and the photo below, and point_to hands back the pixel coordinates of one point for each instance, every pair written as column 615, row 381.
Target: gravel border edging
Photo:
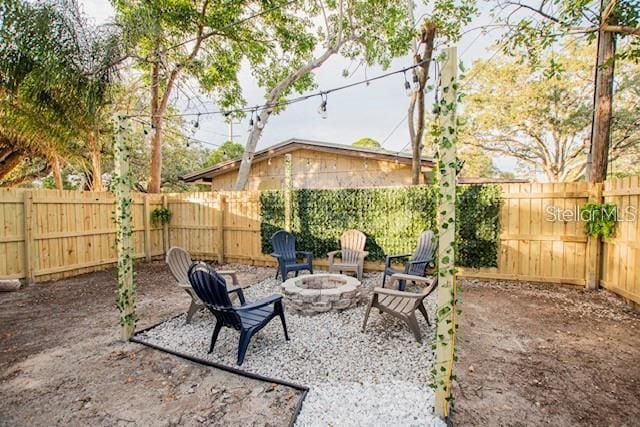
column 223, row 367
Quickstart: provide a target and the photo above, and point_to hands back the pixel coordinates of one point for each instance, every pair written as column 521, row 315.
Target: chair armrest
column 364, row 254
column 183, row 286
column 307, row 254
column 263, row 302
column 397, row 293
column 331, row 255
column 232, row 274
column 414, row 278
column 275, row 255
column 389, row 258
column 240, row 293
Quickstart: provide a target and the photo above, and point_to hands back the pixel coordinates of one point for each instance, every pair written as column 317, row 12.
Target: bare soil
column 546, row 354
column 62, row 363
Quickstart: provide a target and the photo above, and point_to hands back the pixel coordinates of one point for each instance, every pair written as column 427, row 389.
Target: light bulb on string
column 416, row 82
column 407, row 86
column 322, row 109
column 251, row 121
column 197, row 123
column 259, row 122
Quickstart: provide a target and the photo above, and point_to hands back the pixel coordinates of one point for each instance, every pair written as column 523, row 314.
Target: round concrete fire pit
column 319, row 293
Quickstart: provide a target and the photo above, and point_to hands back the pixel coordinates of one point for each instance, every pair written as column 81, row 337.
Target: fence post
column 165, row 226
column 594, row 244
column 222, row 203
column 29, row 250
column 287, row 191
column 147, row 228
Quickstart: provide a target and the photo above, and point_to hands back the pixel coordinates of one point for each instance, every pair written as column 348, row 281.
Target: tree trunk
column 274, row 95
column 603, row 106
column 156, row 138
column 416, row 115
column 9, row 163
column 96, row 164
column 57, row 172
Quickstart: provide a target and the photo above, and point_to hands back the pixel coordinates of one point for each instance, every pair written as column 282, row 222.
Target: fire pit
column 319, row 293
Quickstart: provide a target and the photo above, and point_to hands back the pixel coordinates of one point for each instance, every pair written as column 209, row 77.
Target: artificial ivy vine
column 599, row 219
column 122, row 182
column 445, row 132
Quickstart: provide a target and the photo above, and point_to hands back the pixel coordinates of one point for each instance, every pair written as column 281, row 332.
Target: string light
column 407, row 86
column 251, row 120
column 197, row 124
column 322, row 109
column 259, row 122
column 416, row 81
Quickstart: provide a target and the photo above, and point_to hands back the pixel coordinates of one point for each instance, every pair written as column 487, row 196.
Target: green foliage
column 478, row 223
column 543, row 122
column 54, row 81
column 368, row 143
column 392, row 219
column 160, row 216
column 600, row 219
column 545, row 22
column 227, row 151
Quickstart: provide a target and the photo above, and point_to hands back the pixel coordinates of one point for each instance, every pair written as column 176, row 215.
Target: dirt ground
column 61, row 362
column 528, row 355
column 546, row 354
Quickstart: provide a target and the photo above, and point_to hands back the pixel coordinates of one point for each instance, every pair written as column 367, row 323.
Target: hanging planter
column 160, row 216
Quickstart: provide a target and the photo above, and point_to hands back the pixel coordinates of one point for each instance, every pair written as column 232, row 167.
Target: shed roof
column 293, row 144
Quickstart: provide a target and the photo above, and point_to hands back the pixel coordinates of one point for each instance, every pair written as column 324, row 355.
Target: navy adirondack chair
column 417, row 264
column 284, row 250
column 248, row 318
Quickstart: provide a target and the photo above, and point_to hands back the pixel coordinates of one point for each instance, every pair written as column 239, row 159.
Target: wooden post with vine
column 126, row 294
column 447, row 298
column 288, row 181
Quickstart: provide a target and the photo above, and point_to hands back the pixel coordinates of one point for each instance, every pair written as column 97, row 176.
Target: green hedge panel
column 392, row 219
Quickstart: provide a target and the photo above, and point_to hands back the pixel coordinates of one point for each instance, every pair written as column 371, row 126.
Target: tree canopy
column 541, row 115
column 368, row 143
column 227, row 151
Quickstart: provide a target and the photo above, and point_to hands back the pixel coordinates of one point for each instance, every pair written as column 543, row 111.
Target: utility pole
column 602, row 99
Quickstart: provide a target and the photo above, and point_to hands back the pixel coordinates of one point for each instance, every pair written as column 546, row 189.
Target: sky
column 372, row 111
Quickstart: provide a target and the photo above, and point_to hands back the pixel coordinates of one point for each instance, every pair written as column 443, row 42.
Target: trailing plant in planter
column 160, row 216
column 600, row 219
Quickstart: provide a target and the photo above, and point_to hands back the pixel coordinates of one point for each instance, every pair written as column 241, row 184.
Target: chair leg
column 214, row 336
column 296, row 275
column 423, row 310
column 384, row 278
column 280, row 310
column 245, row 337
column 193, row 309
column 366, row 315
column 413, row 325
column 283, row 273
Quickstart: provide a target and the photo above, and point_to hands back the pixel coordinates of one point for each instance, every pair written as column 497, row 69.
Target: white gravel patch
column 377, row 377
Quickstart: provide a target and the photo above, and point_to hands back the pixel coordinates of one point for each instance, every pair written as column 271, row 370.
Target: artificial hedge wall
column 392, row 219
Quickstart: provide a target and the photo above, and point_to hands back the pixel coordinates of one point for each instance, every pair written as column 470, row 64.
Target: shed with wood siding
column 316, row 165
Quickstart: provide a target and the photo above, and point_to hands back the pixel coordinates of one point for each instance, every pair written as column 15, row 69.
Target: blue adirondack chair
column 417, row 264
column 247, row 318
column 284, row 250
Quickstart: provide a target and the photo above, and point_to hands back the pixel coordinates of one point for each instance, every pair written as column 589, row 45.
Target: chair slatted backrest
column 211, row 288
column 424, row 253
column 284, row 244
column 352, row 244
column 179, row 262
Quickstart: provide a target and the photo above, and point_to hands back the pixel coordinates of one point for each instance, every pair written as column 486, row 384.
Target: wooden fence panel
column 69, row 233
column 621, row 253
column 541, row 238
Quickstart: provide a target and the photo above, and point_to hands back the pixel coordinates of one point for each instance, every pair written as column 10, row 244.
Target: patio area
column 355, row 378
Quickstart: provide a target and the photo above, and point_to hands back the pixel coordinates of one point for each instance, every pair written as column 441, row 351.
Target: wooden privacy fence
column 49, row 234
